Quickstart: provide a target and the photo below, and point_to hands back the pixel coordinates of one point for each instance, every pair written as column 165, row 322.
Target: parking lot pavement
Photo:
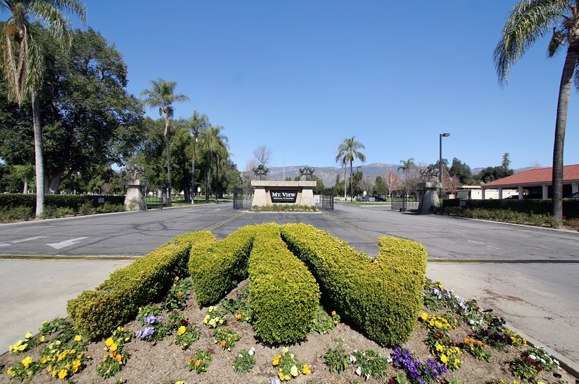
column 32, row 291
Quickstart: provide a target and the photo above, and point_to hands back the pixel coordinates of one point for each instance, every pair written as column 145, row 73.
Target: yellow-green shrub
column 217, row 268
column 283, row 294
column 98, row 312
column 378, row 296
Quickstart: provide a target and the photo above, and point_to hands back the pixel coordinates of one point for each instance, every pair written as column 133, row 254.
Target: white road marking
column 66, row 243
column 28, row 239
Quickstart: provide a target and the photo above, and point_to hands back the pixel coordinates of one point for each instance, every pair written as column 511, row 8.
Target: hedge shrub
column 283, row 294
column 380, row 297
column 98, row 312
column 217, row 268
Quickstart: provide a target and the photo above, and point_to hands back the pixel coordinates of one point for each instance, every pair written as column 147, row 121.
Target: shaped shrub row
column 217, row 268
column 283, row 294
column 117, row 300
column 381, row 297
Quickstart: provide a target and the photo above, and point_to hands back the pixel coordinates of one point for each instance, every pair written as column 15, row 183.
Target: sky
column 301, row 76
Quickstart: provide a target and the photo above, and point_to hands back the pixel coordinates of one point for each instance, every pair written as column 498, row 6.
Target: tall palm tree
column 162, row 95
column 197, row 122
column 23, row 64
column 216, row 148
column 349, row 151
column 528, row 22
column 406, row 166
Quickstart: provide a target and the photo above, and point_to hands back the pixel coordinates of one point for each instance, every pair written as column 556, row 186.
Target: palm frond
column 528, row 22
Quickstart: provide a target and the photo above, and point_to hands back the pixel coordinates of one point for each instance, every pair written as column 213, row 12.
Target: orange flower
column 119, row 358
column 197, row 363
column 467, row 340
column 222, row 343
column 479, row 343
column 179, row 293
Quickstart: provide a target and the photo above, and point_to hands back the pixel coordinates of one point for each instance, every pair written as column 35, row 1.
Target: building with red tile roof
column 537, row 182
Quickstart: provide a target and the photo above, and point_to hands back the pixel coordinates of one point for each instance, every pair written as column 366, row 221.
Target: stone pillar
column 135, row 199
column 428, row 196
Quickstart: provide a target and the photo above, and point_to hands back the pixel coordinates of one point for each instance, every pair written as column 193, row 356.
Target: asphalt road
column 528, row 275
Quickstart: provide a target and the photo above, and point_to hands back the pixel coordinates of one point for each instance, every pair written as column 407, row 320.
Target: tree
column 262, row 154
column 392, row 182
column 528, row 22
column 162, row 95
column 214, row 144
column 349, row 151
column 89, row 120
column 506, row 161
column 197, row 123
column 379, row 187
column 407, row 166
column 461, row 171
column 22, row 60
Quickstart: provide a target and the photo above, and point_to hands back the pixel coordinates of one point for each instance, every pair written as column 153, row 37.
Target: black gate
column 242, row 199
column 328, row 199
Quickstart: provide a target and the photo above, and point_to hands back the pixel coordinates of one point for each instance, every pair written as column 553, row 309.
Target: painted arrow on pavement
column 66, row 243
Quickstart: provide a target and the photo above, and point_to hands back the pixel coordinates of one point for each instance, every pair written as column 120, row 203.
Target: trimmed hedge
column 529, row 206
column 74, row 202
column 96, row 313
column 217, row 268
column 380, row 297
column 283, row 294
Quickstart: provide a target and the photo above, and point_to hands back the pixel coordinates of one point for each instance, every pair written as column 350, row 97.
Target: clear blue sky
column 300, row 76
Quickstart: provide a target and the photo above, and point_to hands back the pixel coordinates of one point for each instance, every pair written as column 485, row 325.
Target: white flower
column 556, row 361
column 251, row 352
column 359, row 371
column 352, row 359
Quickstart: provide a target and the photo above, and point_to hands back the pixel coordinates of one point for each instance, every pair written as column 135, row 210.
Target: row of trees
column 90, row 123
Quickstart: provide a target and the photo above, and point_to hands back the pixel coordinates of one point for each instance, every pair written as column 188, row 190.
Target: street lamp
column 445, row 134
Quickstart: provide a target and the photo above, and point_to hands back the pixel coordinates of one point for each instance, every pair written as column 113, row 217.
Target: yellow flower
column 306, row 370
column 176, row 278
column 439, row 347
column 238, row 316
column 42, row 339
column 113, row 347
column 424, row 316
column 444, row 359
column 109, row 342
column 275, row 361
column 78, row 338
column 27, row 361
column 294, row 371
column 28, row 335
column 180, row 382
column 76, row 365
column 182, row 329
column 62, row 373
column 120, row 329
column 333, row 313
column 11, row 372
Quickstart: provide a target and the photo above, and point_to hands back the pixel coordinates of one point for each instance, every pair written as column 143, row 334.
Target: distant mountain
column 328, row 174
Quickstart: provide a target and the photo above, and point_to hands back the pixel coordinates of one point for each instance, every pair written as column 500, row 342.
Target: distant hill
column 328, row 174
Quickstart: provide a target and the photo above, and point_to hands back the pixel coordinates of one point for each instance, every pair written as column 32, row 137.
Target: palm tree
column 407, row 166
column 162, row 95
column 528, row 22
column 23, row 64
column 349, row 151
column 197, row 122
column 216, row 149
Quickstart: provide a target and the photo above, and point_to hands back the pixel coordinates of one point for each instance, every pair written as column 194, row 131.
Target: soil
column 165, row 362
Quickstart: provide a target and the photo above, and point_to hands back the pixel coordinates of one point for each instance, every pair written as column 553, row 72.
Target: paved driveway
column 528, row 275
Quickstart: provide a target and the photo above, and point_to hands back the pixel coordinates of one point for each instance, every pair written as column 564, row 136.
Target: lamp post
column 440, row 136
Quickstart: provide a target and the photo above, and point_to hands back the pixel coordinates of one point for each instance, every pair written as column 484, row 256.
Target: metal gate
column 242, row 199
column 328, row 199
column 404, row 204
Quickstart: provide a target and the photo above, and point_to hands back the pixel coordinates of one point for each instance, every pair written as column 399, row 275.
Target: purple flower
column 150, row 319
column 145, row 332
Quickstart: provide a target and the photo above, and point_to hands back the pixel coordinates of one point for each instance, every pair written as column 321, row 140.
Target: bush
column 283, row 294
column 360, row 289
column 9, row 214
column 95, row 313
column 219, row 266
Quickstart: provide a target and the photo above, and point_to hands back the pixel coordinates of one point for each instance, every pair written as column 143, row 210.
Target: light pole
column 440, row 136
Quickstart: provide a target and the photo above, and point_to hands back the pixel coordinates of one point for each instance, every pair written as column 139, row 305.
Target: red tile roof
column 536, row 176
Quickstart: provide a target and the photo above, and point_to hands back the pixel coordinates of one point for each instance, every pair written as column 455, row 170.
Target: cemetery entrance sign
column 268, row 192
